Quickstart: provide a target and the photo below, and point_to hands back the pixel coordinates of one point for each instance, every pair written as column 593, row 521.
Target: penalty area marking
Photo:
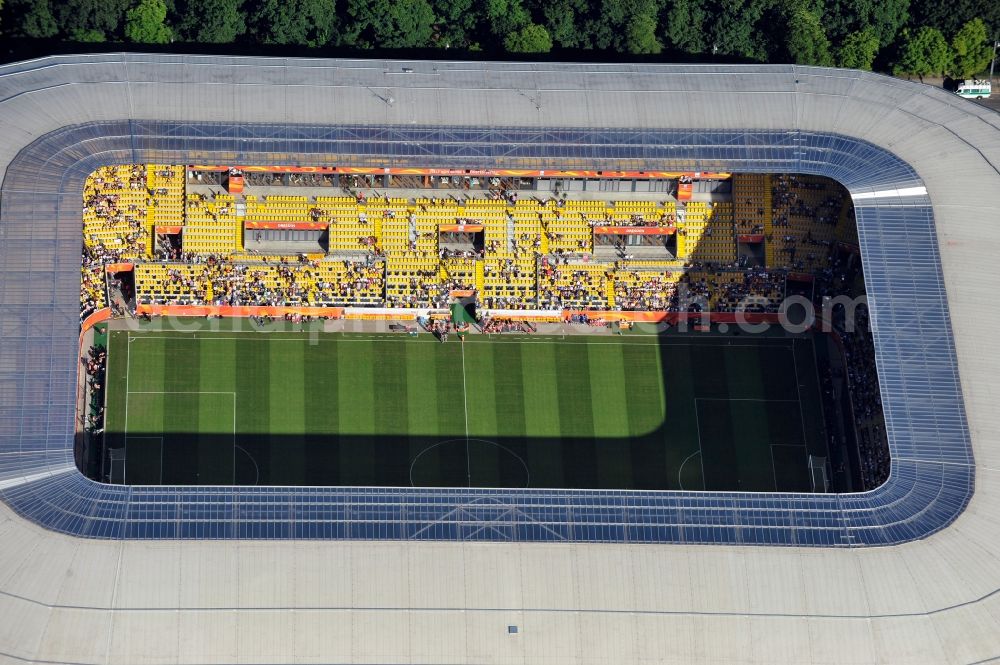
column 680, row 469
column 774, row 469
column 180, row 392
column 527, row 473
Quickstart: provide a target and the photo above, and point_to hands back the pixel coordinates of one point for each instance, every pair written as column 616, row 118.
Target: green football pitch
column 699, row 411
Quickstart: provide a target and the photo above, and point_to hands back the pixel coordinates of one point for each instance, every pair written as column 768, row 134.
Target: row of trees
column 914, row 36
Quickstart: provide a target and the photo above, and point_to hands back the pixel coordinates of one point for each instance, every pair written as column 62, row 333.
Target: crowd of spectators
column 505, row 270
column 663, row 219
column 225, row 281
column 842, row 277
column 866, row 400
column 96, row 366
column 805, row 217
column 509, row 302
column 751, row 290
column 420, row 288
column 114, row 228
column 571, row 286
column 500, row 325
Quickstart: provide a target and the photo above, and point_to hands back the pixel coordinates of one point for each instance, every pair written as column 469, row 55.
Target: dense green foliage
column 858, row 50
column 145, row 23
column 924, row 52
column 807, row 41
column 970, row 49
column 913, row 37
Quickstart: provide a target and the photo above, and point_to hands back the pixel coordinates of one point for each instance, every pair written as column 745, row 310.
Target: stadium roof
column 922, row 168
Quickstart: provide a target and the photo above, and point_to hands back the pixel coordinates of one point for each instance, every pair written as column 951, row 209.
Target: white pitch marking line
column 798, row 391
column 524, row 340
column 701, row 456
column 128, row 371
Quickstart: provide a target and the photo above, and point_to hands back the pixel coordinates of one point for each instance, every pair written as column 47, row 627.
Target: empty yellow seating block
column 212, row 226
column 166, row 184
column 706, row 233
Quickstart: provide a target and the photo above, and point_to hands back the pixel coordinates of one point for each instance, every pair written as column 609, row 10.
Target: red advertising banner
column 510, row 173
column 171, row 230
column 95, row 318
column 461, row 293
column 298, row 226
column 672, row 317
column 119, row 267
column 235, row 184
column 684, row 190
column 635, row 230
column 800, row 277
column 750, row 238
column 460, row 228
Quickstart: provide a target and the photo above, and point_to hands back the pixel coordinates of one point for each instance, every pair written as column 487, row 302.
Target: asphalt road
column 993, row 102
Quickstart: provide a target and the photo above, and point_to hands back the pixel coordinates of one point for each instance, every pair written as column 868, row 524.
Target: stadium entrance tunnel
column 932, row 473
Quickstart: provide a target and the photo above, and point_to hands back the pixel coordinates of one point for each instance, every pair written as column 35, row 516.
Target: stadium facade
column 181, row 575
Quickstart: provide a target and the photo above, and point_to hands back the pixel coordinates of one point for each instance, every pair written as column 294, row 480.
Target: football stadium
column 385, row 361
column 560, row 377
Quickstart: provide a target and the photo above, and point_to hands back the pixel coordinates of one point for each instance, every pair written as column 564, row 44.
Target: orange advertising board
column 232, row 311
column 635, row 230
column 460, row 228
column 297, row 226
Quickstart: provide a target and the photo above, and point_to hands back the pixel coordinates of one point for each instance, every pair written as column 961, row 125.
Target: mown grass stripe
column 286, row 407
column 391, row 385
column 217, row 417
column 645, row 398
column 715, row 422
column 423, row 422
column 751, row 449
column 451, row 457
column 322, row 439
column 576, row 416
column 678, row 435
column 776, row 369
column 541, row 415
column 752, row 446
column 181, row 409
column 509, row 413
column 253, row 406
column 609, row 406
column 356, row 411
column 480, row 387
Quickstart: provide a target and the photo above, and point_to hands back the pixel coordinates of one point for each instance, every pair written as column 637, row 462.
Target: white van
column 974, row 89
